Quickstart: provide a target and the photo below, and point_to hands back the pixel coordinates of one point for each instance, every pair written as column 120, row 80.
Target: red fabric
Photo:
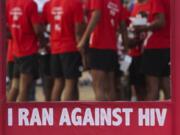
column 135, row 51
column 10, row 56
column 45, row 17
column 138, row 7
column 22, row 14
column 104, row 34
column 63, row 25
column 125, row 14
column 160, row 39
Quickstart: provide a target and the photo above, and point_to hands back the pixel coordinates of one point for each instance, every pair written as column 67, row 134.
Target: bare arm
column 158, row 23
column 79, row 30
column 92, row 24
column 39, row 31
column 124, row 33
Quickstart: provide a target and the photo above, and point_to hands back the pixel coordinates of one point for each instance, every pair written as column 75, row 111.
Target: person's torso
column 61, row 19
column 24, row 38
column 104, row 34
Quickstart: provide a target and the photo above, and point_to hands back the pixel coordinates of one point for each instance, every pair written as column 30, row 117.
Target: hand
column 82, row 50
column 81, row 45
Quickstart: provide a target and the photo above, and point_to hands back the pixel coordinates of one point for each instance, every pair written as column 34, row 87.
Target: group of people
column 71, row 36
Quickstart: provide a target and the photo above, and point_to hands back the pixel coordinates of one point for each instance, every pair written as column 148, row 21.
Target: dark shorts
column 106, row 60
column 135, row 75
column 26, row 65
column 44, row 65
column 156, row 62
column 10, row 69
column 69, row 65
column 56, row 66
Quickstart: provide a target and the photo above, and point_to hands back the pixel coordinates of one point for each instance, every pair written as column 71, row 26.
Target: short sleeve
column 33, row 14
column 78, row 13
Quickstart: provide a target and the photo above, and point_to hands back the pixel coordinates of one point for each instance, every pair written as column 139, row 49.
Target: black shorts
column 56, row 66
column 156, row 62
column 67, row 65
column 106, row 60
column 44, row 65
column 10, row 69
column 26, row 65
column 135, row 75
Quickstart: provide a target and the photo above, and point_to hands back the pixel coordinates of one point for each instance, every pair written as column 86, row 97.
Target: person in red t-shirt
column 106, row 16
column 140, row 10
column 55, row 64
column 65, row 18
column 23, row 22
column 156, row 56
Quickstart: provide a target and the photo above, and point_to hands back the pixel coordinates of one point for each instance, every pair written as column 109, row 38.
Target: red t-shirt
column 21, row 15
column 104, row 34
column 160, row 39
column 138, row 8
column 62, row 15
column 10, row 56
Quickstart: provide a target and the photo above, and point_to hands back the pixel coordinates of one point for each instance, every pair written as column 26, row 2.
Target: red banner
column 175, row 71
column 98, row 118
column 2, row 49
column 89, row 118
